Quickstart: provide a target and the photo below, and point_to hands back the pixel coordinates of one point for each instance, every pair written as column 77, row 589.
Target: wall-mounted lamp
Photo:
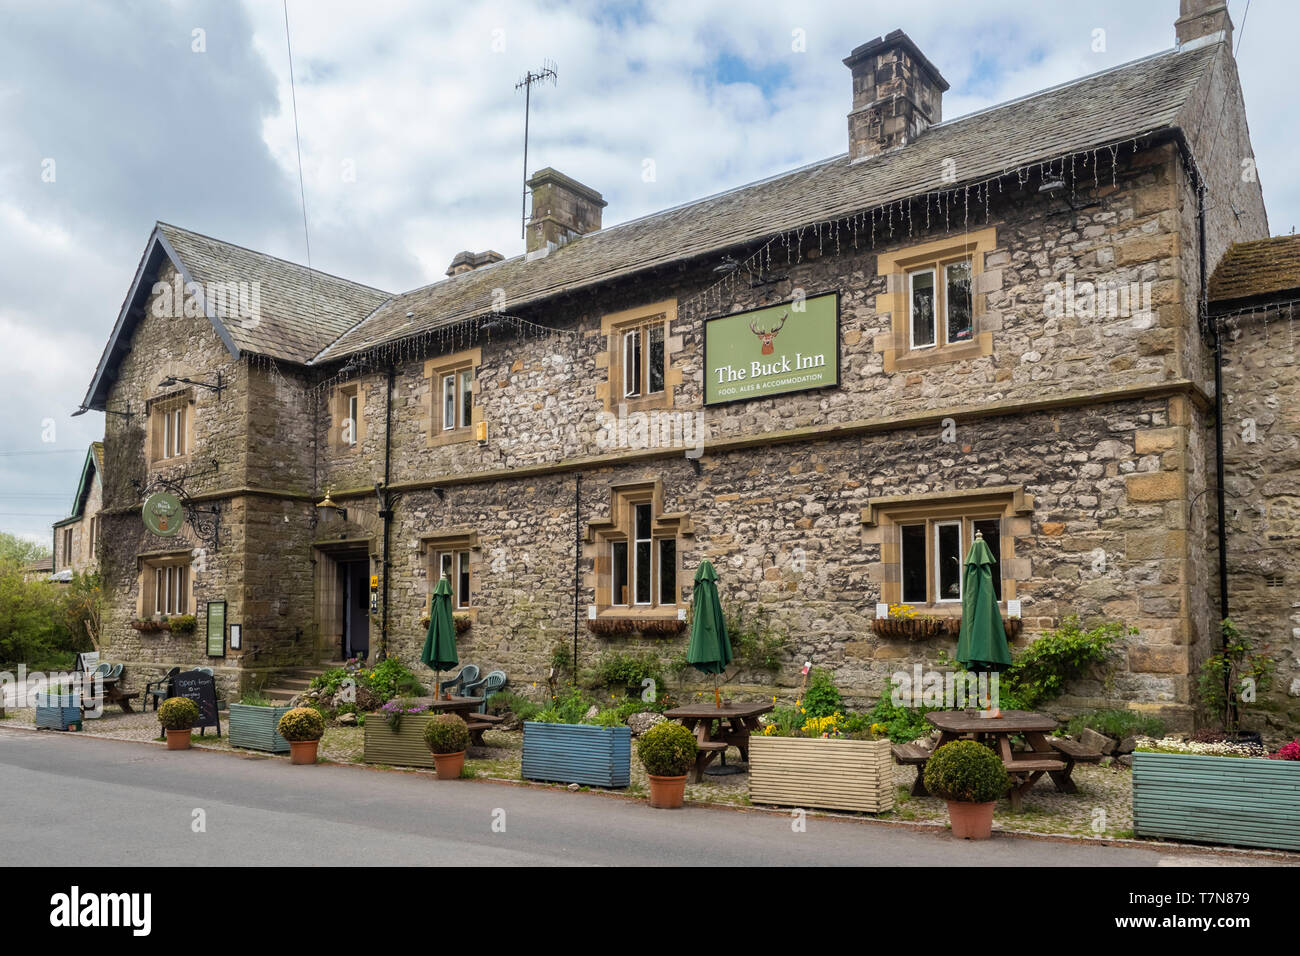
column 330, row 512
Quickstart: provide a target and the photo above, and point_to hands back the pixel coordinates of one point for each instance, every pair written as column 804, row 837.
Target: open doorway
column 354, row 587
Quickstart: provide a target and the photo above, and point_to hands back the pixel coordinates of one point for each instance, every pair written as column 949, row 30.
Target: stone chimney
column 563, row 209
column 469, row 261
column 897, row 95
column 1202, row 21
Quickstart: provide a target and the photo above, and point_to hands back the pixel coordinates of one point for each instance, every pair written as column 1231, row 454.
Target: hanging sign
column 790, row 347
column 163, row 514
column 216, row 629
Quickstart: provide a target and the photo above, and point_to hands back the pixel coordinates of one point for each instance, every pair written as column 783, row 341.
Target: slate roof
column 301, row 310
column 1141, row 97
column 309, row 317
column 1256, row 268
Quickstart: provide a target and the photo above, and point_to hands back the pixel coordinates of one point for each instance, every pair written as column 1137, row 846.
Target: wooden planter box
column 254, row 728
column 822, row 773
column 1248, row 801
column 405, row 748
column 58, row 711
column 577, row 753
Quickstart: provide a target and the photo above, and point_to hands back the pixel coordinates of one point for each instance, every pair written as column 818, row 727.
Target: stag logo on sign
column 75, row 909
column 768, row 336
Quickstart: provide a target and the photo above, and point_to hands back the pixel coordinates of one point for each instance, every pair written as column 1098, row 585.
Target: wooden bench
column 913, row 755
column 1071, row 752
column 477, row 723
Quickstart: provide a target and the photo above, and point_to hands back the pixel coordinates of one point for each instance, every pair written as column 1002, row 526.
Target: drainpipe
column 1213, row 327
column 577, row 565
column 386, row 511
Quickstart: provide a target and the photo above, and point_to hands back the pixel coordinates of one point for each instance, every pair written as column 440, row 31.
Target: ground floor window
column 166, row 586
column 933, row 557
column 454, row 566
column 637, row 551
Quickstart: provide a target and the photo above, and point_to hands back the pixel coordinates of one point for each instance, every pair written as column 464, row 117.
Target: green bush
column 609, row 718
column 619, row 670
column 178, row 713
column 1118, row 724
column 301, row 724
column 570, row 708
column 504, row 701
column 446, row 734
column 1039, row 673
column 255, row 698
column 1224, row 675
column 183, row 624
column 902, row 724
column 822, row 698
column 666, row 750
column 966, row 771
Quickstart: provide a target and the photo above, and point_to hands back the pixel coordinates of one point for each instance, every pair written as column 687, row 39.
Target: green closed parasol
column 710, row 649
column 982, row 645
column 439, row 650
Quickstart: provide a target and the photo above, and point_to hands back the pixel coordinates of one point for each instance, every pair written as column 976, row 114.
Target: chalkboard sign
column 216, row 629
column 202, row 689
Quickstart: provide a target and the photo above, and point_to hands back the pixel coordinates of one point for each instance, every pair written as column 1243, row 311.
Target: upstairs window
column 171, row 428
column 940, row 305
column 454, row 407
column 640, row 367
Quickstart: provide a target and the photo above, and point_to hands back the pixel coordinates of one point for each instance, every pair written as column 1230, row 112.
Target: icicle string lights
column 710, row 299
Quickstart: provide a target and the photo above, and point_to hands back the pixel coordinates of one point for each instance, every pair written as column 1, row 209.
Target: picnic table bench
column 735, row 723
column 1053, row 756
column 477, row 723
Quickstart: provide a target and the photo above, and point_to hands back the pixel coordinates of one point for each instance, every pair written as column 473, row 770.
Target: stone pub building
column 826, row 383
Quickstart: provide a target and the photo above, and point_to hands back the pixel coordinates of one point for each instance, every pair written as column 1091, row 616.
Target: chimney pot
column 563, row 209
column 1201, row 22
column 897, row 95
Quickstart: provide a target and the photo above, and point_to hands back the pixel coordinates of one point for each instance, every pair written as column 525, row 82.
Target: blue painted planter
column 58, row 711
column 578, row 753
column 255, row 728
column 1245, row 801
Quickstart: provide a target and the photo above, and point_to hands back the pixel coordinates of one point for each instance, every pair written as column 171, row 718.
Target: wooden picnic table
column 1025, row 766
column 735, row 723
column 465, row 708
column 112, row 690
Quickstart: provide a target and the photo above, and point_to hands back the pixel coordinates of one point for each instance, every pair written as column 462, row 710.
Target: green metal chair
column 485, row 688
column 468, row 674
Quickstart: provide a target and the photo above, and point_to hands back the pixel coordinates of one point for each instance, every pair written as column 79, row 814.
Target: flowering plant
column 1220, row 748
column 393, row 710
column 1289, row 752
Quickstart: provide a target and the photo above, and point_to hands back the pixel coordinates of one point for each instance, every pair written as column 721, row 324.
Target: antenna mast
column 546, row 74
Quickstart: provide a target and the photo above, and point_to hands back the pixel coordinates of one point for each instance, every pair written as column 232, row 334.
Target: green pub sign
column 792, row 347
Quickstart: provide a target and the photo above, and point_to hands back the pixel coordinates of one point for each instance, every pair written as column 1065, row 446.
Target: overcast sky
column 411, row 135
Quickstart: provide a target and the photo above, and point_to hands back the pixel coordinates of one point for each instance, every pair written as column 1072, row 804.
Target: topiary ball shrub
column 178, row 713
column 967, row 772
column 446, row 734
column 666, row 750
column 301, row 724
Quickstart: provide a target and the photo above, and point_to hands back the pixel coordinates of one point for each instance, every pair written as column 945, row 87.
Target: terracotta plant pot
column 303, row 752
column 667, row 793
column 971, row 821
column 448, row 766
column 178, row 739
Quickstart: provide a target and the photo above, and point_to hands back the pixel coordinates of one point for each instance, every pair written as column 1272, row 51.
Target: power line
column 302, row 190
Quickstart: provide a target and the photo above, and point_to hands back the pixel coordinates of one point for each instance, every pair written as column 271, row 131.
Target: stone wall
column 1261, row 393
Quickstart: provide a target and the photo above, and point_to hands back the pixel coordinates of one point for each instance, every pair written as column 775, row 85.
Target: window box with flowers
column 905, row 624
